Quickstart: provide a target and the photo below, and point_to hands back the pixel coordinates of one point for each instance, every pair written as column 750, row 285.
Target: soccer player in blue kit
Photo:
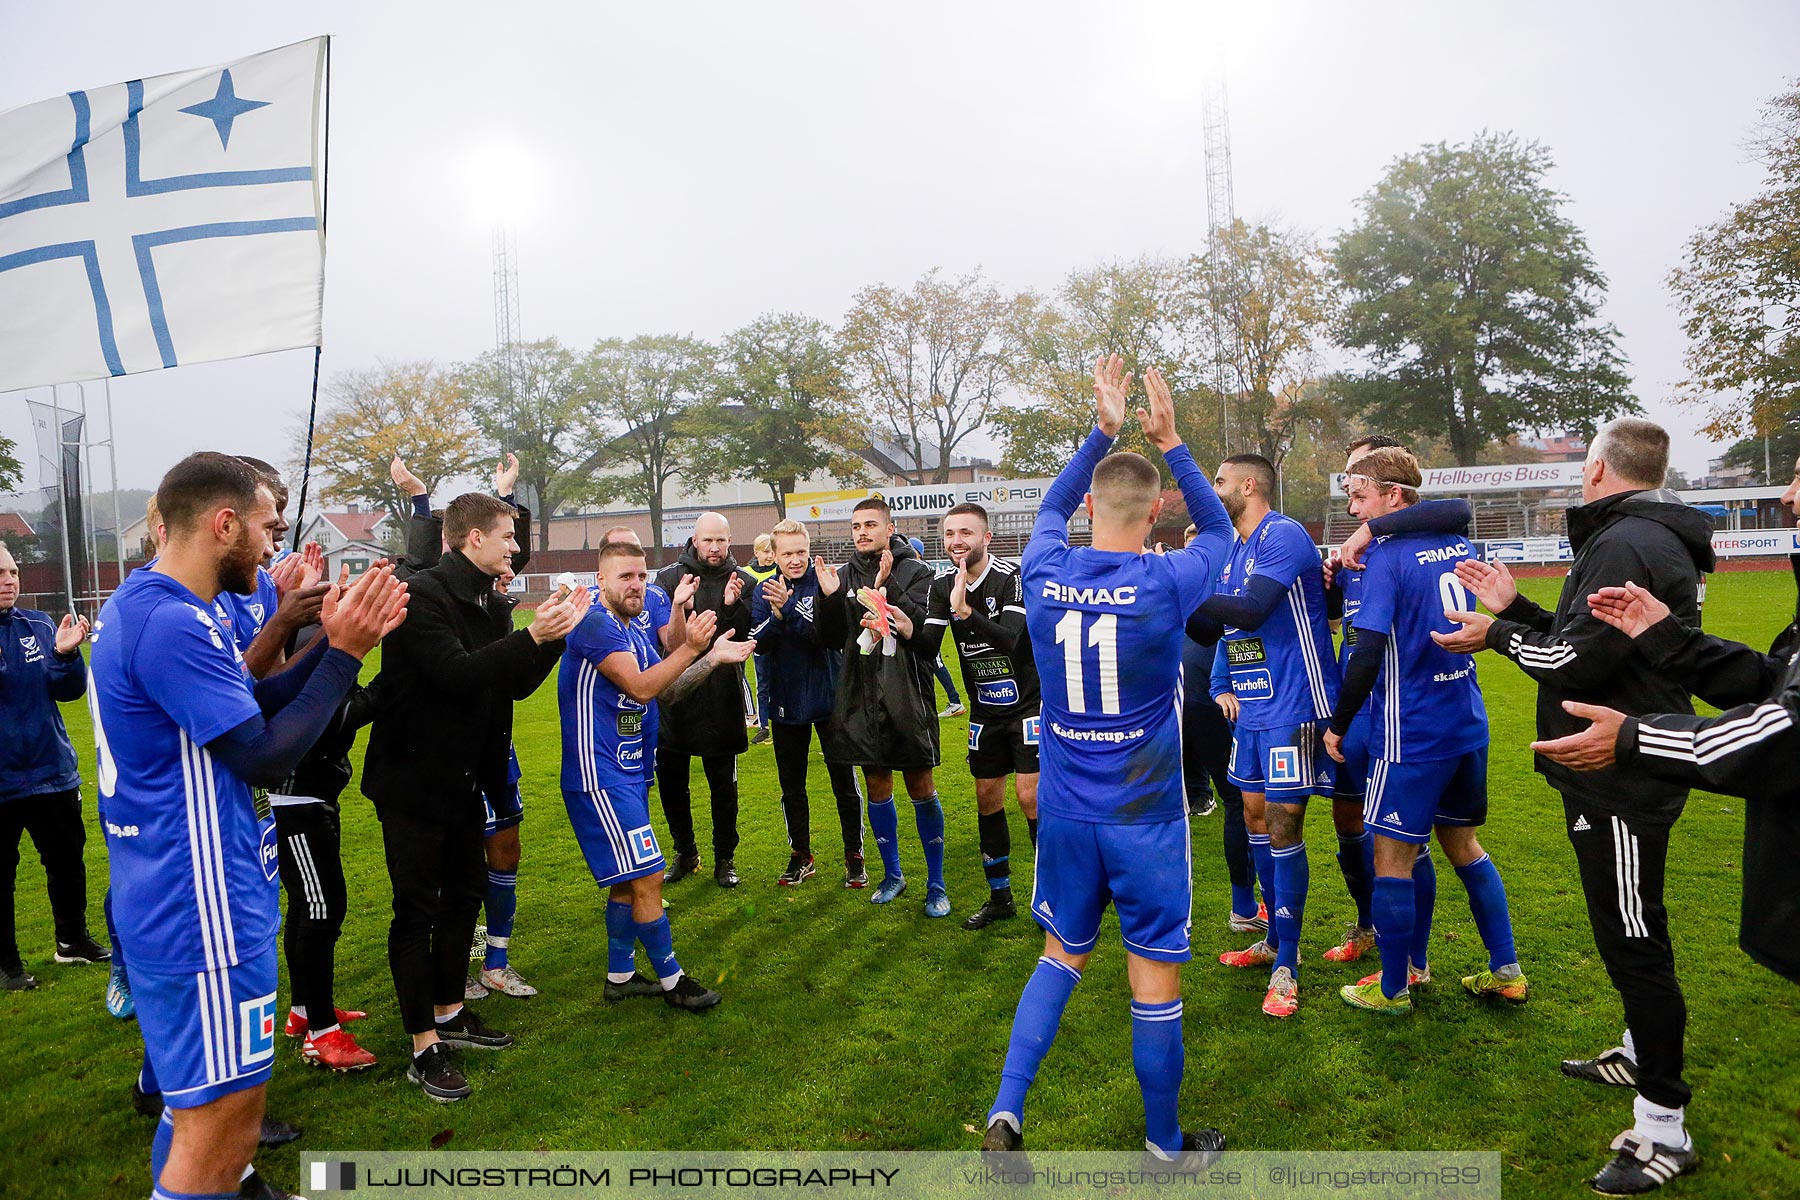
column 611, row 678
column 1275, row 677
column 1428, row 738
column 1113, row 827
column 183, row 734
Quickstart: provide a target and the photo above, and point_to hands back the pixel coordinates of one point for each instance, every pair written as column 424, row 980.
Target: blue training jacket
column 802, row 670
column 35, row 754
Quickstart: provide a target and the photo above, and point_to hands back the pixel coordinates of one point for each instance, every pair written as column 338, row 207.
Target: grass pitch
column 849, row 1026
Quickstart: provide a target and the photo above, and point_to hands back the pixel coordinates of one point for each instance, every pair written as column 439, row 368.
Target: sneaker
column 890, row 889
column 1258, row 955
column 690, row 995
column 1257, row 924
column 276, row 1133
column 639, row 984
column 505, row 979
column 856, row 875
column 83, row 949
column 799, row 869
column 1368, row 994
column 760, row 736
column 1513, row 991
column 683, row 866
column 13, row 978
column 954, row 709
column 1283, row 996
column 995, row 909
column 1614, row 1066
column 336, row 1051
column 725, row 873
column 297, row 1026
column 118, row 993
column 1641, row 1165
column 1415, row 977
column 434, row 1072
column 937, row 901
column 1200, row 1148
column 468, row 1030
column 1205, row 808
column 472, row 989
column 1001, row 1138
column 1357, row 942
column 255, row 1187
column 146, row 1104
column 478, row 944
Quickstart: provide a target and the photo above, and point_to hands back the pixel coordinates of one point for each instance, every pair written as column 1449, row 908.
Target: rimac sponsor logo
column 1442, row 553
column 1068, row 594
column 1095, row 735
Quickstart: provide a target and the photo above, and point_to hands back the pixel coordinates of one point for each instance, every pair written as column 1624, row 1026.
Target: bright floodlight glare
column 501, row 182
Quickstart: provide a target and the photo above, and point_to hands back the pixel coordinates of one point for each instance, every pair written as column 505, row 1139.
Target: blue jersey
column 608, row 739
column 1427, row 703
column 246, row 615
column 1350, row 583
column 1107, row 629
column 1283, row 673
column 193, row 853
column 657, row 606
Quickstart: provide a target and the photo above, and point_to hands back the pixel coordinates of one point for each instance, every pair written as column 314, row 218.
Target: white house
column 354, row 537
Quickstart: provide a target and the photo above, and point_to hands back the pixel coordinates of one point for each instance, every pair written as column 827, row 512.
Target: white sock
column 620, row 976
column 331, row 1028
column 450, row 1016
column 669, row 982
column 1662, row 1125
column 1630, row 1046
column 299, row 1010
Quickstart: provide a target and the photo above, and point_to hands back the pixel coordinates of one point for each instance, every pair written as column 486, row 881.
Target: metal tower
column 1220, row 215
column 508, row 332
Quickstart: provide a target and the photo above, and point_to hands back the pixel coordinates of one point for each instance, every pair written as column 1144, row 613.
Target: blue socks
column 1264, row 858
column 502, row 906
column 1292, row 877
column 1156, row 1053
column 1424, row 905
column 1487, row 900
column 1393, row 905
column 1356, row 859
column 659, row 944
column 621, row 941
column 1034, row 1028
column 1243, row 900
column 928, row 814
column 885, row 823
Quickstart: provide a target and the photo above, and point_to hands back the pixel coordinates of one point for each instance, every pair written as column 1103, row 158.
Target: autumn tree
column 779, row 409
column 1476, row 301
column 368, row 416
column 1739, row 295
column 12, row 471
column 531, row 403
column 928, row 364
column 640, row 400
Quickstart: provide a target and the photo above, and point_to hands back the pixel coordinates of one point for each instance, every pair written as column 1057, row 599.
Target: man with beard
column 982, row 604
column 183, row 735
column 607, row 690
column 709, row 721
column 883, row 711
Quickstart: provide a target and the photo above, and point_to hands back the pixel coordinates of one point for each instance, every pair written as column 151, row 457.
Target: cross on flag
column 168, row 220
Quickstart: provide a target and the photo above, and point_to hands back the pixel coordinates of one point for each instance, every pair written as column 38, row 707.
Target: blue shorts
column 208, row 1033
column 1287, row 764
column 507, row 813
column 1352, row 775
column 612, row 826
column 1144, row 871
column 1407, row 798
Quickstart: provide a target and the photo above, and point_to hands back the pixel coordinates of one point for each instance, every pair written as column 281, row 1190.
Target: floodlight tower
column 1220, row 215
column 507, row 329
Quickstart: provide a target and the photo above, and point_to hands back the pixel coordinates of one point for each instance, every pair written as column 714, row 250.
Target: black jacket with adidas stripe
column 1650, row 538
column 1750, row 751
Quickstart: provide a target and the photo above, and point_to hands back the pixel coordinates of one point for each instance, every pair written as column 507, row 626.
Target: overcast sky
column 690, row 167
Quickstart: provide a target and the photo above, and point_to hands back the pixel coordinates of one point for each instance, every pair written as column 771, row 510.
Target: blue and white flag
column 168, row 220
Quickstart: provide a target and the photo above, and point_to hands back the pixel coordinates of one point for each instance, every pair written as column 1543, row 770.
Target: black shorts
column 1001, row 748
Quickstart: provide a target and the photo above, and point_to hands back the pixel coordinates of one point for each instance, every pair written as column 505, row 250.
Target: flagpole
column 312, row 413
column 112, row 456
column 62, row 495
column 88, row 532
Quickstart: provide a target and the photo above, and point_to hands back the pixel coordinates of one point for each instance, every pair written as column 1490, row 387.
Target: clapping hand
column 827, row 575
column 684, row 592
column 1591, row 749
column 1491, row 583
column 70, row 634
column 506, row 475
column 886, row 568
column 776, row 591
column 728, row 651
column 1112, row 382
column 404, row 479
column 1630, row 609
column 356, row 618
column 959, row 592
column 1158, row 420
column 700, row 630
column 734, row 588
column 556, row 618
column 1469, row 639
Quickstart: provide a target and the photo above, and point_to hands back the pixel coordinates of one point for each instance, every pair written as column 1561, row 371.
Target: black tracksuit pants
column 672, row 768
column 793, row 749
column 54, row 822
column 439, row 871
column 1621, row 860
column 312, row 874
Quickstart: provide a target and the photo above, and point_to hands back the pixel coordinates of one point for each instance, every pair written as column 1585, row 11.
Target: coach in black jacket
column 1618, row 819
column 448, row 684
column 709, row 722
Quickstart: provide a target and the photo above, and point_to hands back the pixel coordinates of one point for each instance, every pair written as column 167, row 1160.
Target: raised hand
column 776, row 591
column 1471, row 638
column 959, row 593
column 700, row 630
column 886, row 568
column 734, row 588
column 1350, row 553
column 555, row 619
column 684, row 591
column 356, row 619
column 404, row 479
column 288, row 574
column 1112, row 382
column 506, row 475
column 1591, row 749
column 728, row 651
column 1159, row 419
column 1630, row 609
column 827, row 575
column 314, row 554
column 70, row 634
column 1491, row 583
